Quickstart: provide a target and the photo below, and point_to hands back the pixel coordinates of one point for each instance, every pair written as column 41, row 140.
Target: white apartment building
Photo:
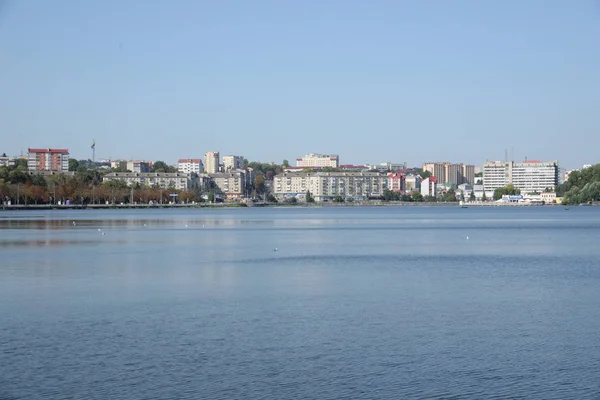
column 528, row 176
column 7, row 161
column 387, row 166
column 535, row 176
column 232, row 184
column 162, row 180
column 232, row 162
column 211, row 162
column 318, row 160
column 190, row 165
column 429, row 186
column 497, row 174
column 325, row 186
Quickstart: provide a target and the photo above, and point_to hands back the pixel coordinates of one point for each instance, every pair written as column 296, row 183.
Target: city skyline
column 293, row 160
column 372, row 82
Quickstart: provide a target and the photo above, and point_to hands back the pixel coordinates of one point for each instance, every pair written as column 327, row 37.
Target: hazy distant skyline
column 412, row 81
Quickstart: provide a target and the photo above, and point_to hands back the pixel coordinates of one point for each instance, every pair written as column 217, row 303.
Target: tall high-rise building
column 437, row 169
column 535, row 176
column 48, row 160
column 497, row 174
column 453, row 174
column 468, row 173
column 232, row 162
column 528, row 176
column 211, row 162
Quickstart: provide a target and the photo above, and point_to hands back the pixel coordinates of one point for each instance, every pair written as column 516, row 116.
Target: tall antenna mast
column 94, row 152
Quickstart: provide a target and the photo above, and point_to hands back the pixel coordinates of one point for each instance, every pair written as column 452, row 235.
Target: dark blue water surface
column 356, row 303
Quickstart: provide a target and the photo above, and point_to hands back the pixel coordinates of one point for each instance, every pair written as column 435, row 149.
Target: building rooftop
column 48, row 150
column 147, row 174
column 194, row 160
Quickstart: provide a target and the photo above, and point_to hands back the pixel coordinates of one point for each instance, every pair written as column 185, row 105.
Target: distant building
column 8, row 161
column 190, row 165
column 449, row 173
column 497, row 174
column 232, row 162
column 232, row 184
column 354, row 168
column 48, row 160
column 428, row 186
column 396, row 182
column 122, row 164
column 437, row 169
column 548, row 197
column 412, row 183
column 163, row 180
column 326, row 186
column 535, row 176
column 468, row 174
column 138, row 166
column 211, row 162
column 388, row 166
column 318, row 160
column 529, row 176
column 453, row 174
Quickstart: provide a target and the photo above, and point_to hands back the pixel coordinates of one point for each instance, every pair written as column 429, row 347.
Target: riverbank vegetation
column 582, row 187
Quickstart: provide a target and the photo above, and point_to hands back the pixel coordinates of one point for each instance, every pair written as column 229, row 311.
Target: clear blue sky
column 420, row 80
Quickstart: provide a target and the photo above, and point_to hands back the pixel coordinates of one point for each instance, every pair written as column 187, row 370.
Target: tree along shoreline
column 56, row 207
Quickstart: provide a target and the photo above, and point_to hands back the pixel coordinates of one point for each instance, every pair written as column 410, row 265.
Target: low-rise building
column 548, row 197
column 163, row 180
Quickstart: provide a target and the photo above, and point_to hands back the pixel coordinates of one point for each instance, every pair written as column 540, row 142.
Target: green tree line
column 582, row 186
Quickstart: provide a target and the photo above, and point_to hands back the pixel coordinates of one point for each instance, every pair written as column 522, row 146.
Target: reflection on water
column 44, row 243
column 375, row 303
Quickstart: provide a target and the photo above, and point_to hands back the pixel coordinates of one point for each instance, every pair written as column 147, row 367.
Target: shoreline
column 38, row 207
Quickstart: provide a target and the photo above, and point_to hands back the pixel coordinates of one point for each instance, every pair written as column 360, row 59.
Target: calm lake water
column 356, row 303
